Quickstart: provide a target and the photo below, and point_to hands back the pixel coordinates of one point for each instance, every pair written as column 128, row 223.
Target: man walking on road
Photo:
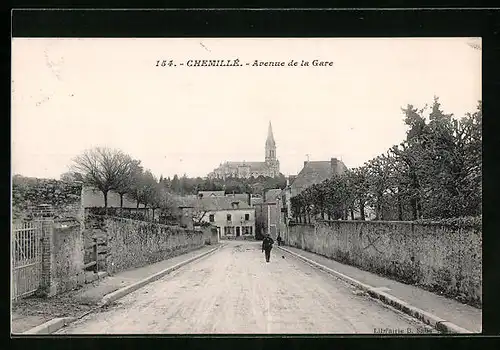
column 267, row 245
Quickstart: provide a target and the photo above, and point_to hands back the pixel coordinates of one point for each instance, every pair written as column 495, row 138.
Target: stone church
column 270, row 167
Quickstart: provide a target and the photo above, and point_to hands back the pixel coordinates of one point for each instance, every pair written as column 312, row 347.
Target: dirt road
column 236, row 291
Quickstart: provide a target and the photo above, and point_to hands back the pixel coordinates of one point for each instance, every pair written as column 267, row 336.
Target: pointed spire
column 270, row 137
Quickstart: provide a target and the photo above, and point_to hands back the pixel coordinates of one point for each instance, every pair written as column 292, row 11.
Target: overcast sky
column 69, row 95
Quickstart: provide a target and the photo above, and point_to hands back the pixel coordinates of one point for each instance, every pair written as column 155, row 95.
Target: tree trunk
column 105, row 194
column 400, row 209
column 362, row 210
column 413, row 203
column 419, row 208
column 378, row 208
column 352, row 213
column 415, row 200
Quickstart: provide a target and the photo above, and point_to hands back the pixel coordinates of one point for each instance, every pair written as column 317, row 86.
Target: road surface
column 236, row 291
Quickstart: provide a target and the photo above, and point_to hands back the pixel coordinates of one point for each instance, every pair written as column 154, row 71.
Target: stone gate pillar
column 47, row 287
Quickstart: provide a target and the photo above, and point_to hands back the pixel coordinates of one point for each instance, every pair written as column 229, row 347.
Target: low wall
column 67, row 248
column 444, row 258
column 132, row 243
column 62, row 257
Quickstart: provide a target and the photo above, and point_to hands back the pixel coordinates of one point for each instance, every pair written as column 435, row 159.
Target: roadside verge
column 438, row 323
column 109, row 298
column 57, row 323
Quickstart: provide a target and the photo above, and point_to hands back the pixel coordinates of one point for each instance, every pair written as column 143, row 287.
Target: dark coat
column 267, row 243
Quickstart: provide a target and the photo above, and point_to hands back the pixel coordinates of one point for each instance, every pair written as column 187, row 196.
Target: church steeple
column 270, row 145
column 270, row 137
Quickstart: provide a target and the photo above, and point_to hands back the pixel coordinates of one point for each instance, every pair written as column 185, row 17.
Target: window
column 228, row 217
column 247, row 217
column 211, row 218
column 228, row 230
column 247, row 230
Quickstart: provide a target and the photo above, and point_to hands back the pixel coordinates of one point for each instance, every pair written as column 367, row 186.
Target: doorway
column 238, row 231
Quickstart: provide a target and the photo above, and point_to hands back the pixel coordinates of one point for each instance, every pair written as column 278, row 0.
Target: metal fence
column 26, row 256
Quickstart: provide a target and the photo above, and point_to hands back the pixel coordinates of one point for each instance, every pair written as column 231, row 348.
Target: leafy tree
column 434, row 173
column 175, row 184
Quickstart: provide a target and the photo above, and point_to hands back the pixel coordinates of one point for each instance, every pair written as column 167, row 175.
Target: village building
column 267, row 214
column 243, row 169
column 313, row 172
column 204, row 194
column 233, row 218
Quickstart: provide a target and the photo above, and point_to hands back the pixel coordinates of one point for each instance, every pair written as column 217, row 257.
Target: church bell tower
column 271, row 160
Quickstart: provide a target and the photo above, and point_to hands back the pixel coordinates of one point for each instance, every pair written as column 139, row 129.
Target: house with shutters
column 233, row 217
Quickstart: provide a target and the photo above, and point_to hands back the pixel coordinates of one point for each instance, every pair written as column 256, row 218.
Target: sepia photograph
column 209, row 186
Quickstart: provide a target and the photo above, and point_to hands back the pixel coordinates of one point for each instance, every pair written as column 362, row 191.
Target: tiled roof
column 184, row 201
column 238, row 196
column 212, row 203
column 272, row 194
column 252, row 165
column 256, row 200
column 211, row 193
column 315, row 172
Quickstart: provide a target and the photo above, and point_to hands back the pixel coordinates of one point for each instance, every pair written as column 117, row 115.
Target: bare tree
column 199, row 211
column 128, row 176
column 101, row 168
column 160, row 199
column 146, row 189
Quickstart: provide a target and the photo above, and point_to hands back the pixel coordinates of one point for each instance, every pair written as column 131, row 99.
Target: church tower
column 271, row 161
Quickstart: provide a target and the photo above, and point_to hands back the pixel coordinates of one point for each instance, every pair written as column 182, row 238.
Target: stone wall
column 130, row 243
column 63, row 199
column 440, row 257
column 68, row 255
column 62, row 257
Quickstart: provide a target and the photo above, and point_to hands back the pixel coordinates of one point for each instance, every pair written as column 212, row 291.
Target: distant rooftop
column 272, row 194
column 211, row 193
column 212, row 203
column 315, row 172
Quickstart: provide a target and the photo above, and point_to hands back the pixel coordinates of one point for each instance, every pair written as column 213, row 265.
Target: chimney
column 307, row 160
column 335, row 164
